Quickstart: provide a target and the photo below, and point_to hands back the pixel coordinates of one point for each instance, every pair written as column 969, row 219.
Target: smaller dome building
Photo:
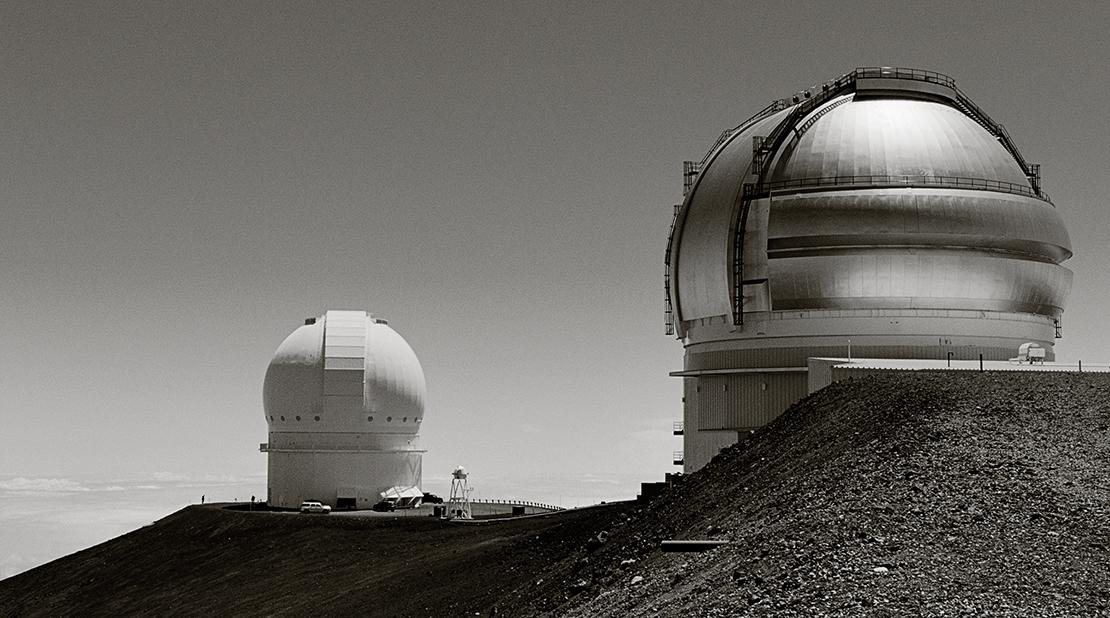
column 344, row 399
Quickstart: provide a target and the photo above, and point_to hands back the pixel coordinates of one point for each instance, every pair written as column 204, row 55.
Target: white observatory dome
column 344, row 400
column 344, row 371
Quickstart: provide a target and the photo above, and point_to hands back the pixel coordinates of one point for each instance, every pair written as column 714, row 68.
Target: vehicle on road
column 311, row 506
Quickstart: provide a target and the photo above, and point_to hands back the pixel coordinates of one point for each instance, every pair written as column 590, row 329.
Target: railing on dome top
column 538, row 505
column 956, row 182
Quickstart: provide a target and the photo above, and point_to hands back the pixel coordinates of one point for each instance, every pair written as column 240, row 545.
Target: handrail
column 955, row 182
column 921, row 75
column 508, row 502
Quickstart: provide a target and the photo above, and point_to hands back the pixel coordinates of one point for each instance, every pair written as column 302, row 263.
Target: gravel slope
column 928, row 493
column 941, row 493
column 210, row 561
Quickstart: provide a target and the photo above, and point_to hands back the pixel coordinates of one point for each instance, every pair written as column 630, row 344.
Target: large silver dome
column 881, row 197
column 883, row 208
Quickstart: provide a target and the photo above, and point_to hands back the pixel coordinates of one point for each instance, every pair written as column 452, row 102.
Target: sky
column 182, row 183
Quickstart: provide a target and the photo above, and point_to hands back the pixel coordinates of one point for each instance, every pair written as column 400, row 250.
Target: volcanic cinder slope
column 946, row 493
column 942, row 493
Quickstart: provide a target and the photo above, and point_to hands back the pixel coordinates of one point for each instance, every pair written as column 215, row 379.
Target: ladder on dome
column 668, row 305
column 763, row 150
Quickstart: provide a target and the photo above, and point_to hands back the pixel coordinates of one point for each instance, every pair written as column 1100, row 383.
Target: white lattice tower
column 458, row 505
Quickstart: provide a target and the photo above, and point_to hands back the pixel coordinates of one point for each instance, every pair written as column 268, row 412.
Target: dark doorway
column 345, row 503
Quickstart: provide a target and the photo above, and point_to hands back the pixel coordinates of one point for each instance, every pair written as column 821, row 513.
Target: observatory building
column 881, row 214
column 344, row 400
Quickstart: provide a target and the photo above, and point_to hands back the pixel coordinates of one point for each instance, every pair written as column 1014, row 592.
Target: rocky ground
column 205, row 561
column 937, row 494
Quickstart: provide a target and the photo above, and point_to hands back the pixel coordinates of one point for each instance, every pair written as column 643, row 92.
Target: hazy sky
column 181, row 184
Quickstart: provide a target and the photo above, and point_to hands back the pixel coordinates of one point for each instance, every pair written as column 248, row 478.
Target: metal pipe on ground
column 690, row 546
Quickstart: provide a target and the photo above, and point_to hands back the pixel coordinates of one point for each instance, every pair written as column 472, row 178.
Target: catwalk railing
column 951, row 182
column 538, row 505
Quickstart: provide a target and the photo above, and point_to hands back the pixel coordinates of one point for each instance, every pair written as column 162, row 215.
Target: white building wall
column 296, row 476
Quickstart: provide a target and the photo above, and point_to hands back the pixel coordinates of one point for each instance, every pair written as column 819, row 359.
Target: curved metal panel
column 703, row 271
column 338, row 373
column 942, row 218
column 394, row 378
column 896, row 137
column 909, row 278
column 294, row 382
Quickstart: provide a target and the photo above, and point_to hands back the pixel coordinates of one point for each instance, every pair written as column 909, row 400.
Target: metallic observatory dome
column 889, row 188
column 344, row 371
column 882, row 210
